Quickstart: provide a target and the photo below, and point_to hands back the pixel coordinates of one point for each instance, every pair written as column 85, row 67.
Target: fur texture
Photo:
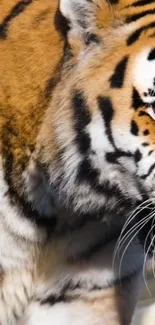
column 77, row 158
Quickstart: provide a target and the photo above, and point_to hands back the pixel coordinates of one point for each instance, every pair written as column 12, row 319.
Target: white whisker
column 145, row 243
column 130, row 218
column 131, row 230
column 146, row 255
column 153, row 263
column 142, row 208
column 121, row 240
column 144, row 223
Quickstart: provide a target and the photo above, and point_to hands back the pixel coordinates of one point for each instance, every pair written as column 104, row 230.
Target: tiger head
column 98, row 138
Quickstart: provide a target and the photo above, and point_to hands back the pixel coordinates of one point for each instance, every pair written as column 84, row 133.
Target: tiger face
column 101, row 117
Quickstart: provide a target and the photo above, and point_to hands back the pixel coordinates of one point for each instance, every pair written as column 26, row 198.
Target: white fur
column 99, row 141
column 17, row 233
column 66, row 8
column 62, row 314
column 144, row 74
column 70, row 8
column 15, row 292
column 77, row 11
column 151, row 112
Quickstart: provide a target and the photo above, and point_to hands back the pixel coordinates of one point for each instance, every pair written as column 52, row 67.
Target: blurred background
column 145, row 312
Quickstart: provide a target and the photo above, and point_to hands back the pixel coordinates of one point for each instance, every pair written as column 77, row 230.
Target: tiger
column 77, row 118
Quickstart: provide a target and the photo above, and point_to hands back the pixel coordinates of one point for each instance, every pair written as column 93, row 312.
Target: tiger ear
column 81, row 15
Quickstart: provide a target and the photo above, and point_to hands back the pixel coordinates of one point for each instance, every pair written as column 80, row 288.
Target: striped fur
column 77, row 146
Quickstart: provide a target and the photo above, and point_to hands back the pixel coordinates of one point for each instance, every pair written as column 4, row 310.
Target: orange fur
column 29, row 56
column 36, row 89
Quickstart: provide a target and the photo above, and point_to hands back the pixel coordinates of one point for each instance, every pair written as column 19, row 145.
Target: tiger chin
column 77, row 174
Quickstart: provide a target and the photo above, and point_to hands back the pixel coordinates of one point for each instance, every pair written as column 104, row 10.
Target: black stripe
column 151, row 55
column 142, row 14
column 55, row 299
column 138, row 156
column 106, row 108
column 61, row 296
column 141, row 3
column 145, row 144
column 81, row 118
column 66, row 298
column 113, row 2
column 149, row 172
column 134, row 128
column 112, row 157
column 88, row 174
column 136, row 100
column 135, row 36
column 150, row 152
column 21, row 202
column 15, row 11
column 117, row 79
column 142, row 113
column 61, row 23
column 53, row 80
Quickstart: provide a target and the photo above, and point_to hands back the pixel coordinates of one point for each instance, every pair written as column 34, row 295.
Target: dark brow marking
column 135, row 35
column 140, row 15
column 15, row 11
column 113, row 2
column 140, row 3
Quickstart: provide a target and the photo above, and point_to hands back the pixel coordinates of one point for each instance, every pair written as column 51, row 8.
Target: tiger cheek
column 144, row 126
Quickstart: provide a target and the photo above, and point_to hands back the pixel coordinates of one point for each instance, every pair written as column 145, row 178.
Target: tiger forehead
column 136, row 16
column 122, row 82
column 117, row 8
